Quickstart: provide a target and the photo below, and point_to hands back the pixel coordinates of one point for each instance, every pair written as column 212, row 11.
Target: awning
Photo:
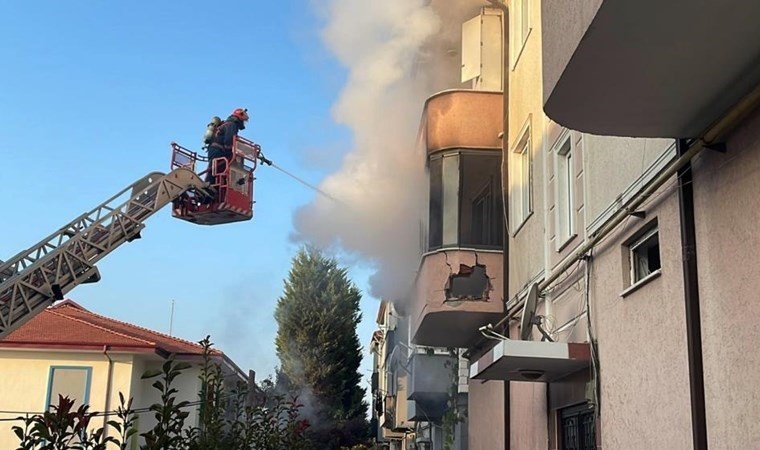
column 531, row 361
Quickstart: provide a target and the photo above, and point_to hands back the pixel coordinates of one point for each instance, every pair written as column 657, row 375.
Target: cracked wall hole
column 470, row 283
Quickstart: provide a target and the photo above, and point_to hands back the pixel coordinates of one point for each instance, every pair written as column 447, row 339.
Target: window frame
column 87, row 384
column 447, row 203
column 563, row 160
column 580, row 412
column 522, row 154
column 629, row 247
column 635, row 278
column 520, row 29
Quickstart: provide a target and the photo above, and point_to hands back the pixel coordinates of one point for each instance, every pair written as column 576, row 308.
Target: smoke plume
column 391, row 49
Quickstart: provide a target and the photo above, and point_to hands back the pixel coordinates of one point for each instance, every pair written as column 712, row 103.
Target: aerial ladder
column 45, row 272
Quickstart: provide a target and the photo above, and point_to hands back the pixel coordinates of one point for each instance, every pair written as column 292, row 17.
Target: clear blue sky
column 92, row 94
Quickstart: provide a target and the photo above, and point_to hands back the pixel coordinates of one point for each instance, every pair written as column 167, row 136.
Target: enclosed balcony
column 462, row 119
column 457, row 292
column 431, row 377
column 459, row 284
column 647, row 68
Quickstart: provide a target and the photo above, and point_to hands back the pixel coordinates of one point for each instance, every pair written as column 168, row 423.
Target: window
column 465, row 207
column 72, row 382
column 644, row 256
column 520, row 197
column 577, row 426
column 565, row 182
column 521, row 28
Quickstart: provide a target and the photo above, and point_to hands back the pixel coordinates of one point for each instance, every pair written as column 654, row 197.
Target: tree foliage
column 319, row 349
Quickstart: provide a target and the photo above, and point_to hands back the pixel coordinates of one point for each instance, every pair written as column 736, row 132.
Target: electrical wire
column 592, row 339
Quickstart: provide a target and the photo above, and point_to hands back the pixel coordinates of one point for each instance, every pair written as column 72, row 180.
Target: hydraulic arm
column 34, row 278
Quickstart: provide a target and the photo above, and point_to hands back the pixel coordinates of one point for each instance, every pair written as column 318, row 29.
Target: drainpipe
column 107, row 401
column 691, row 297
column 709, row 138
column 505, row 187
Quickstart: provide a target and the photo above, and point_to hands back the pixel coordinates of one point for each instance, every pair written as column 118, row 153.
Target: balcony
column 647, row 68
column 531, row 361
column 462, row 119
column 430, row 380
column 456, row 292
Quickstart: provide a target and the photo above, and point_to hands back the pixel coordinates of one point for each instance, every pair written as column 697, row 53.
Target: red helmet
column 241, row 113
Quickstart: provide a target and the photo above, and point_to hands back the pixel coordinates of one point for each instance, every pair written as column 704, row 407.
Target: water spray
column 300, row 180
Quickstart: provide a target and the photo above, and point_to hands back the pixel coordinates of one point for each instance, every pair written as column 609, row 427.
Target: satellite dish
column 529, row 313
column 529, row 317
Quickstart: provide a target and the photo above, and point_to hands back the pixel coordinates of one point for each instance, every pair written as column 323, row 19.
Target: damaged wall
column 440, row 317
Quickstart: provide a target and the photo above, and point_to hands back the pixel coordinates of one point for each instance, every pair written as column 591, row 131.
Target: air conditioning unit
column 482, row 56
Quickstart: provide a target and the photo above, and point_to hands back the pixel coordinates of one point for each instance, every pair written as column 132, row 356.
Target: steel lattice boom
column 34, row 278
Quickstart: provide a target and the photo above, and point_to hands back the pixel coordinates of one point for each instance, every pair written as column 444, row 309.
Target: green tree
column 319, row 349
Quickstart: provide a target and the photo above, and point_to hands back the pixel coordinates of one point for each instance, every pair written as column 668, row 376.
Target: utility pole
column 171, row 319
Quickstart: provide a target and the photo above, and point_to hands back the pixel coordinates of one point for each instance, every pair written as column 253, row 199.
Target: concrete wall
column 25, row 377
column 612, row 164
column 642, row 339
column 726, row 188
column 439, row 322
column 528, row 417
column 563, row 25
column 527, row 257
column 486, row 415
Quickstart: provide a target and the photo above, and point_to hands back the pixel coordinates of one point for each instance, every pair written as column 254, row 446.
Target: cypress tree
column 319, row 349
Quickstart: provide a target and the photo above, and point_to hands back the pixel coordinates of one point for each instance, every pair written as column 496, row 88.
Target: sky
column 94, row 92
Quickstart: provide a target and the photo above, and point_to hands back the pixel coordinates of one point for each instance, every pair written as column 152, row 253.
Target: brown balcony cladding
column 462, row 119
column 647, row 68
column 456, row 292
column 459, row 288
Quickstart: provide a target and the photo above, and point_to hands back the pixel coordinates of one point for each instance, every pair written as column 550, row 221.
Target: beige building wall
column 187, row 385
column 25, row 376
column 603, row 169
column 727, row 214
column 526, row 119
column 641, row 334
column 485, row 415
column 642, row 339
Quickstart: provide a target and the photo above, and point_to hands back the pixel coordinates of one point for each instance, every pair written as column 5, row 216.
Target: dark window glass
column 435, row 231
column 481, row 216
column 466, row 201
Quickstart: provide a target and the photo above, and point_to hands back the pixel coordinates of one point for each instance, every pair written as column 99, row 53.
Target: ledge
column 648, row 68
column 536, row 361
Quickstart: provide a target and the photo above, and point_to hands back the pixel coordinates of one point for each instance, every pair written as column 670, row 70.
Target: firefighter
column 221, row 143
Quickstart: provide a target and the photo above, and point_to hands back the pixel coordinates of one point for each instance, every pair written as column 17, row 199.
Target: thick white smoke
column 381, row 181
column 397, row 52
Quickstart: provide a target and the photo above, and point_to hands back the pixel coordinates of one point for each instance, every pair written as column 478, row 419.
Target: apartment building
column 419, row 394
column 633, row 69
column 605, row 300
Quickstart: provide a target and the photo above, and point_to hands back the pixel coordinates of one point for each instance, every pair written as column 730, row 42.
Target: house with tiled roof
column 75, row 352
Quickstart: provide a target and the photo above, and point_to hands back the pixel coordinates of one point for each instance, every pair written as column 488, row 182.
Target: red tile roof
column 68, row 325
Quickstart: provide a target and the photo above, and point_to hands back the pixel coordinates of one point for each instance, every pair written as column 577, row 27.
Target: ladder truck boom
column 36, row 277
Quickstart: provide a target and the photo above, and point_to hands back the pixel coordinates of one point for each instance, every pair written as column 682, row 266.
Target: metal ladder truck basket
column 229, row 197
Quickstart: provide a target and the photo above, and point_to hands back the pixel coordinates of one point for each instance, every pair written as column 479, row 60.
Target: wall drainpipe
column 691, row 297
column 107, row 398
column 505, row 191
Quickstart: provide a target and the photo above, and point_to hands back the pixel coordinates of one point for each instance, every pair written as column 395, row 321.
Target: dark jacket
column 227, row 131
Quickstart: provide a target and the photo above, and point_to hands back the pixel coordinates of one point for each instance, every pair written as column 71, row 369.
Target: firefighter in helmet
column 220, row 145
